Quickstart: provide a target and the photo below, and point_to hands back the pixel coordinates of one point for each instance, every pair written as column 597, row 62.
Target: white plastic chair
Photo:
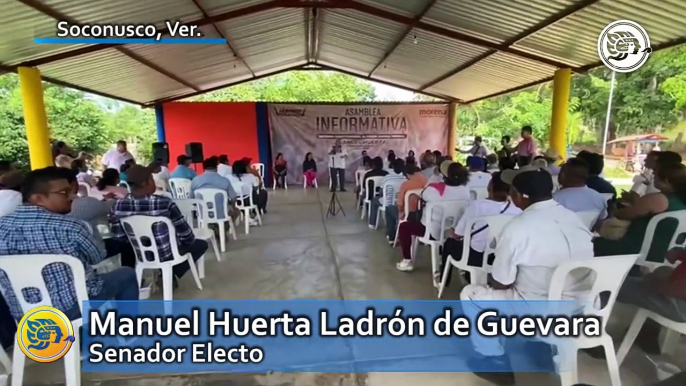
column 285, row 183
column 180, row 187
column 388, row 190
column 139, row 228
column 610, row 273
column 478, row 193
column 25, row 271
column 415, row 192
column 316, row 185
column 246, row 208
column 450, row 211
column 125, row 185
column 607, row 196
column 260, row 169
column 190, row 208
column 478, row 274
column 372, row 184
column 84, row 189
column 680, row 216
column 635, row 328
column 209, row 214
column 161, row 184
column 359, row 176
column 589, row 218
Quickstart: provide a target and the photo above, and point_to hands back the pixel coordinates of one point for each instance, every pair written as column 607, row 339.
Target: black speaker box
column 194, row 150
column 160, row 152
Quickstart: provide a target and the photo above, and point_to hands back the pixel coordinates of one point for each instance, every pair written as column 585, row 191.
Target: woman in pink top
column 109, row 183
column 526, row 148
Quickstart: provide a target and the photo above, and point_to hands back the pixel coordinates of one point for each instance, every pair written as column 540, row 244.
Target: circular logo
column 624, row 46
column 45, row 334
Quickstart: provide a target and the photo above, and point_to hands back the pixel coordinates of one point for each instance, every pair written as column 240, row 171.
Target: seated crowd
column 59, row 210
column 546, row 228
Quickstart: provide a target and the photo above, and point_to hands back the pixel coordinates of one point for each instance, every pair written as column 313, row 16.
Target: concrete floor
column 298, row 253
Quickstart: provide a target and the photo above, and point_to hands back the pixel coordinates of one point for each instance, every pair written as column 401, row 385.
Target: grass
column 619, row 188
column 616, row 173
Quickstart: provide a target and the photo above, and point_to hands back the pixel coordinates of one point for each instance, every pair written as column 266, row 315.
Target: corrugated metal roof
column 356, row 40
column 465, row 50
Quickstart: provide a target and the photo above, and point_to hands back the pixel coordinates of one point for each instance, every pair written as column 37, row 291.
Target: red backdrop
column 222, row 127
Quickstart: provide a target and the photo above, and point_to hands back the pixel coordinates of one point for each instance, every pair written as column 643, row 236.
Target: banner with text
column 297, row 129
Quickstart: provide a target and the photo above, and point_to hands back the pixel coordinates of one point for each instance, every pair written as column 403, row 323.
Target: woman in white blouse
column 453, row 187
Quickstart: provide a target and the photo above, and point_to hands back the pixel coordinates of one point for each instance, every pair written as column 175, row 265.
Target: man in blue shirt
column 211, row 179
column 183, row 170
column 596, row 163
column 40, row 226
column 574, row 194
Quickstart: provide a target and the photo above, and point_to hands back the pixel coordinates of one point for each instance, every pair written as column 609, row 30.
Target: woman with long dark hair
column 280, row 170
column 109, row 183
column 309, row 169
column 251, row 185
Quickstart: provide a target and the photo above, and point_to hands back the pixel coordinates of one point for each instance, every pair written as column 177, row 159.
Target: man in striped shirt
column 391, row 187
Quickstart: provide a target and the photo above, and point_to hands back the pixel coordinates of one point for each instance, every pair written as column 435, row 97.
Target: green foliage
column 647, row 100
column 297, row 86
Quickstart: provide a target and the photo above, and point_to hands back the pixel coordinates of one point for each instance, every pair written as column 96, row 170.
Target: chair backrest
column 180, row 187
column 161, row 184
column 413, row 192
column 389, row 190
column 499, row 222
column 496, row 224
column 607, row 196
column 450, row 211
column 125, row 185
column 260, row 169
column 241, row 188
column 140, row 231
column 478, row 193
column 373, row 183
column 589, row 218
column 359, row 175
column 26, row 271
column 84, row 189
column 163, row 193
column 680, row 216
column 610, row 273
column 190, row 208
column 210, row 199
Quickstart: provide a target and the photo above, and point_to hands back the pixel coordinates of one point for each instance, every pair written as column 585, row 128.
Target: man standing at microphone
column 338, row 156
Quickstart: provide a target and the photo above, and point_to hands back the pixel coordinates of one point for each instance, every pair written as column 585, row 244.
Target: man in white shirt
column 528, row 251
column 338, row 156
column 498, row 202
column 224, row 167
column 478, row 148
column 10, row 196
column 115, row 158
column 478, row 178
column 574, row 194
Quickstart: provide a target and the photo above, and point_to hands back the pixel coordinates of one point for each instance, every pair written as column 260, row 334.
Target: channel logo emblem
column 45, row 334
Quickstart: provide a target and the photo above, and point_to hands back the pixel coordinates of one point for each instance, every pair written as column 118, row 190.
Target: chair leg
column 215, row 248
column 378, row 214
column 194, row 271
column 612, row 365
column 434, row 260
column 364, row 210
column 413, row 248
column 233, row 228
column 631, row 335
column 397, row 232
column 247, row 221
column 201, row 267
column 5, row 361
column 259, row 218
column 72, row 366
column 568, row 371
column 18, row 362
column 444, row 279
column 222, row 236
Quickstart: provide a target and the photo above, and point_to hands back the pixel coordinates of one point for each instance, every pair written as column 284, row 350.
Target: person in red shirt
column 662, row 291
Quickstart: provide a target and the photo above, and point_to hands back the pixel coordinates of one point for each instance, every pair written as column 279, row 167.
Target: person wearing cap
column 478, row 178
column 10, row 191
column 497, row 202
column 526, row 148
column 478, row 148
column 452, row 188
column 115, row 158
column 574, row 194
column 142, row 201
column 183, row 169
column 531, row 246
column 390, row 185
column 552, row 157
column 439, row 171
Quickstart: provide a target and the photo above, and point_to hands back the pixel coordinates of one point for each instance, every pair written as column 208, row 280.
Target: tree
column 297, row 86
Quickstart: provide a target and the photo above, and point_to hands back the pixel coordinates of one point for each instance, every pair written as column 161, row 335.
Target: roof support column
column 159, row 120
column 558, row 126
column 452, row 130
column 35, row 118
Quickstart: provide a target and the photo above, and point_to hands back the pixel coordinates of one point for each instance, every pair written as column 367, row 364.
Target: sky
column 390, row 93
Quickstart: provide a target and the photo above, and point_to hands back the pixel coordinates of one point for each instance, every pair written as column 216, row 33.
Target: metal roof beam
column 225, row 85
column 565, row 13
column 44, row 9
column 316, row 27
column 401, row 19
column 233, row 52
column 402, row 37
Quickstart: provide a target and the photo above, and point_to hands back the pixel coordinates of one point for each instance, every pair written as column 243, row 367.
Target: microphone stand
column 333, row 210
